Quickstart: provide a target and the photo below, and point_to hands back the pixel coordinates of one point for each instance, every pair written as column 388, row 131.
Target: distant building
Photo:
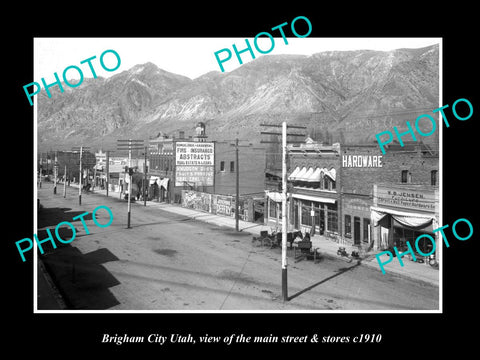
column 114, row 171
column 251, row 169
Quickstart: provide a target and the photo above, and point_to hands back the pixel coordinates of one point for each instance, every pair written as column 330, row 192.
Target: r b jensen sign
column 406, row 198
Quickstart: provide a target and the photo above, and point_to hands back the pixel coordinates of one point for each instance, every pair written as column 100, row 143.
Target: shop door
column 356, row 230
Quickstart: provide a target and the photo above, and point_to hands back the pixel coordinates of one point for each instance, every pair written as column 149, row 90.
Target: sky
column 191, row 57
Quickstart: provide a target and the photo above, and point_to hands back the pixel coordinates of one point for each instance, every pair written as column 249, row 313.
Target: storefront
column 315, row 214
column 308, row 213
column 357, row 229
column 402, row 213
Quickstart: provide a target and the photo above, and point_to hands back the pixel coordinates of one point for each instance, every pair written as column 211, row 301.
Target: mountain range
column 345, row 96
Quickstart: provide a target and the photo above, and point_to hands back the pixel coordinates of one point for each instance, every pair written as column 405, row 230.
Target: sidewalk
column 413, row 270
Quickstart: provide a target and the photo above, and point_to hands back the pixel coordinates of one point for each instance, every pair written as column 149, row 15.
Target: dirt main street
column 170, row 262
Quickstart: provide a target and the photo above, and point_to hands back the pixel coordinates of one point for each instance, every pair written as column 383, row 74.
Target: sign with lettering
column 199, row 175
column 406, row 198
column 361, row 161
column 195, row 163
column 224, row 205
column 194, row 153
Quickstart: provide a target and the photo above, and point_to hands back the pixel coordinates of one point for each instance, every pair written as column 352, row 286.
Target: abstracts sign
column 194, row 163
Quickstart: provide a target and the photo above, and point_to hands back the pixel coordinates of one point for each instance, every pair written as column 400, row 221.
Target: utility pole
column 129, row 145
column 80, row 179
column 284, row 135
column 41, row 171
column 284, row 212
column 81, row 149
column 108, row 168
column 144, row 190
column 237, row 181
column 237, row 187
column 55, row 172
column 65, row 182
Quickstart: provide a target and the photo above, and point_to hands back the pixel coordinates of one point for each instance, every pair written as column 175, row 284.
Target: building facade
column 312, row 190
column 336, row 191
column 365, row 171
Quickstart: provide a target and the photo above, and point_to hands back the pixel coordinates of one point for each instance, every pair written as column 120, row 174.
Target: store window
column 348, row 226
column 306, row 215
column 327, row 183
column 402, row 235
column 332, row 218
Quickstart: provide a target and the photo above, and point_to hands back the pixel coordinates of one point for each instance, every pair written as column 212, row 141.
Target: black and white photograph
column 219, row 181
column 214, row 204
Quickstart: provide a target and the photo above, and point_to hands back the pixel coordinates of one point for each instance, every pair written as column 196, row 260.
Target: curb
column 53, row 292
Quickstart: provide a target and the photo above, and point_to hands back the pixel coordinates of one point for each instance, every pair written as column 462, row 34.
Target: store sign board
column 406, row 198
column 362, row 161
column 194, row 163
column 194, row 153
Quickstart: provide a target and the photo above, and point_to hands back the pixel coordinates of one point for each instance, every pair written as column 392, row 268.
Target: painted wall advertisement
column 194, row 163
column 224, row 205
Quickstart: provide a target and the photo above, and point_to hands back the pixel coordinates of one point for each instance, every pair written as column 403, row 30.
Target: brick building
column 251, row 169
column 333, row 190
column 413, row 166
column 217, row 175
column 313, row 189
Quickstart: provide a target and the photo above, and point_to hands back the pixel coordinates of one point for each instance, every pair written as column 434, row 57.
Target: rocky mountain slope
column 344, row 96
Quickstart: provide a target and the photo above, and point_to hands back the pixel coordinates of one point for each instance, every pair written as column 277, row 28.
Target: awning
column 330, row 173
column 410, row 219
column 294, row 173
column 300, row 174
column 164, row 183
column 316, row 176
column 311, row 174
column 306, row 175
column 315, row 198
